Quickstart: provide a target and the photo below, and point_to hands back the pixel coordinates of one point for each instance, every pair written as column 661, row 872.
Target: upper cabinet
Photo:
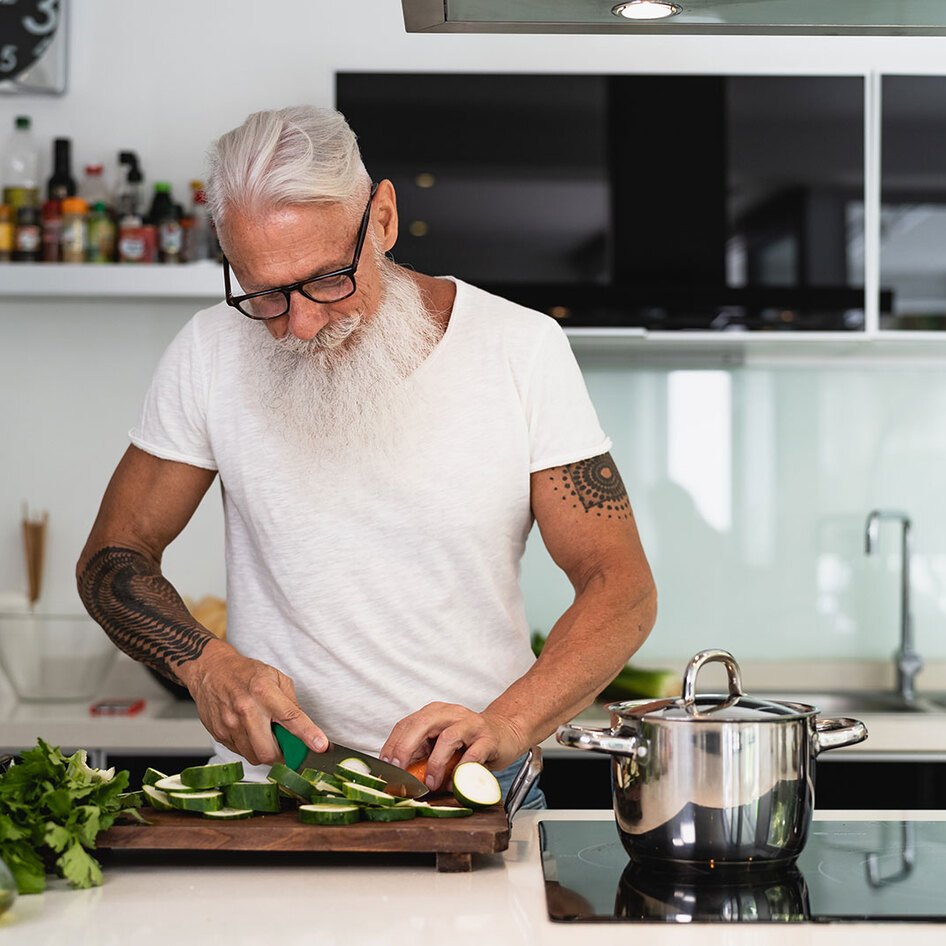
column 913, row 202
column 661, row 202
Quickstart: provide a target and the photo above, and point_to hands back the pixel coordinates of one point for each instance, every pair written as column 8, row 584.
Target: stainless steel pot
column 711, row 781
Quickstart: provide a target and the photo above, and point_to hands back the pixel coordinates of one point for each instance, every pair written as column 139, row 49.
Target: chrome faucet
column 908, row 661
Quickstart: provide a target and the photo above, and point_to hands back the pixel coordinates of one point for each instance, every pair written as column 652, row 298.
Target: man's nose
column 305, row 318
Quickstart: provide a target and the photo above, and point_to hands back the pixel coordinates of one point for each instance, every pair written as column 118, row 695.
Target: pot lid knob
column 700, row 660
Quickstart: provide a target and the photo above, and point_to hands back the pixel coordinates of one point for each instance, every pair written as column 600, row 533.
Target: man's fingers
column 415, row 730
column 292, row 718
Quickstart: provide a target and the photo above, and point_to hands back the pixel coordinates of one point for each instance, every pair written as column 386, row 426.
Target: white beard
column 345, row 388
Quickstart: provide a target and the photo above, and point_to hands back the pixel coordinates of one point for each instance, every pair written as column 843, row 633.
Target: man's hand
column 238, row 698
column 439, row 730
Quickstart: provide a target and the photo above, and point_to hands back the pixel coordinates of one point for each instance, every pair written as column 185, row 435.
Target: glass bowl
column 54, row 657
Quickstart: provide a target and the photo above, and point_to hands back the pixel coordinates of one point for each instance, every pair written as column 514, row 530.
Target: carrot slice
column 419, row 769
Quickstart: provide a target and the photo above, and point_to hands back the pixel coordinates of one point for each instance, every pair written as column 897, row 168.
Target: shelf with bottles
column 92, row 220
column 202, row 280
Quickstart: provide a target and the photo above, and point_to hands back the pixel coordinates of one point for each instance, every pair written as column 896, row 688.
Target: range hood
column 723, row 17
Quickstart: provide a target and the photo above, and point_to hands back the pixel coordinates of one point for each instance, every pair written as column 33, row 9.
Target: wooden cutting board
column 454, row 841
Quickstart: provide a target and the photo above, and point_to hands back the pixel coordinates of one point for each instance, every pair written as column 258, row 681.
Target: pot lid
column 735, row 706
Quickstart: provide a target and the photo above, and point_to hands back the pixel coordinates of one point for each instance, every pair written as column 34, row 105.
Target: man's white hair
column 296, row 155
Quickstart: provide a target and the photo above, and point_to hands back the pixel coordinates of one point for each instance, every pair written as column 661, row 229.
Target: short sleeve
column 563, row 423
column 172, row 424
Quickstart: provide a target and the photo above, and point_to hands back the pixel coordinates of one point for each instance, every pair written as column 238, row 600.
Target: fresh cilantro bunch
column 52, row 807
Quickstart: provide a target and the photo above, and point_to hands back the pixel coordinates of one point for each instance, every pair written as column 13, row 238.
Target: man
column 384, row 440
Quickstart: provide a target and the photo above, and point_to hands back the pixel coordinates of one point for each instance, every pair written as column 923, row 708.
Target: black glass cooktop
column 848, row 870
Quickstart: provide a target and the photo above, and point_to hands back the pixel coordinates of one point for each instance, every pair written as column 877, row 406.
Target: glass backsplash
column 752, row 486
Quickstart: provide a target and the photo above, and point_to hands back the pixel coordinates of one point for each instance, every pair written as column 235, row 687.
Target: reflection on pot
column 771, row 896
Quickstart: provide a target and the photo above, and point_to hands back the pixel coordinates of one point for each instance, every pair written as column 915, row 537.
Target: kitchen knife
column 298, row 756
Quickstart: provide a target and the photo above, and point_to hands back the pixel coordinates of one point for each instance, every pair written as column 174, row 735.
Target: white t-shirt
column 380, row 588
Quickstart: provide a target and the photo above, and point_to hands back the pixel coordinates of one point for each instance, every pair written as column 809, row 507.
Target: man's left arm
column 588, row 527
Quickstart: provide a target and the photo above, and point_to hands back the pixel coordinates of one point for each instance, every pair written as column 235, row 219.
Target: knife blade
column 298, row 756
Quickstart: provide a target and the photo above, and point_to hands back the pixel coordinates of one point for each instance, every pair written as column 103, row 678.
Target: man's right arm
column 147, row 503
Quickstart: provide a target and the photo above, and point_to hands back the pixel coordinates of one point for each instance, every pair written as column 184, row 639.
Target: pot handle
column 600, row 740
column 836, row 733
column 693, row 668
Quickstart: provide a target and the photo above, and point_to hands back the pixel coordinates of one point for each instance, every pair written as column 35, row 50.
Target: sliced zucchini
column 360, row 778
column 443, row 811
column 203, row 777
column 389, row 814
column 367, row 795
column 197, row 801
column 258, row 796
column 329, row 814
column 229, row 814
column 173, row 783
column 317, row 775
column 338, row 800
column 290, row 782
column 352, row 764
column 151, row 776
column 475, row 785
column 158, row 800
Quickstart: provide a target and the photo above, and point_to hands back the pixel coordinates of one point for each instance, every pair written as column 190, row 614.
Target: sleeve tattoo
column 593, row 485
column 140, row 610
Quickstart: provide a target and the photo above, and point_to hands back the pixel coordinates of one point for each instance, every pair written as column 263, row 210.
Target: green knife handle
column 293, row 748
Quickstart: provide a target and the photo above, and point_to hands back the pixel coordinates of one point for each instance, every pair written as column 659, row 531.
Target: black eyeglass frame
column 288, row 290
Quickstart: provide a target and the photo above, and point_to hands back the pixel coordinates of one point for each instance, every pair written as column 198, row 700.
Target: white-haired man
column 384, row 440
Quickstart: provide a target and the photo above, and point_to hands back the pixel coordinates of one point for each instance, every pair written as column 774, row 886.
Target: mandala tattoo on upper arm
column 596, row 485
column 140, row 610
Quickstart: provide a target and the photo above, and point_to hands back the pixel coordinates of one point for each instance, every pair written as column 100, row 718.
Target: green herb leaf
column 51, row 804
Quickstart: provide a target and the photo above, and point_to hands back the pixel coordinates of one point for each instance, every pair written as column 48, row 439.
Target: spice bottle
column 101, row 235
column 52, row 232
column 133, row 241
column 75, row 234
column 199, row 243
column 19, row 169
column 61, row 183
column 27, row 238
column 93, row 190
column 129, row 199
column 7, row 227
column 165, row 218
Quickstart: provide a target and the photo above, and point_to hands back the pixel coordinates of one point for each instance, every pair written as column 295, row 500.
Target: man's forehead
column 298, row 240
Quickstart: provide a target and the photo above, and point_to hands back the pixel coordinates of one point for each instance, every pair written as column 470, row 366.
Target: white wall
column 164, row 80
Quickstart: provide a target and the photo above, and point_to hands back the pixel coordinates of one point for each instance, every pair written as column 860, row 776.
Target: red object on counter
column 116, row 707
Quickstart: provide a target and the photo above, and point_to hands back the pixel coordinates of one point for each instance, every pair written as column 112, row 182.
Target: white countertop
column 171, row 727
column 338, row 900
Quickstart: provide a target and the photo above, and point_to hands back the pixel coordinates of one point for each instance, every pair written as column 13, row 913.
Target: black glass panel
column 670, row 202
column 848, row 870
column 913, row 201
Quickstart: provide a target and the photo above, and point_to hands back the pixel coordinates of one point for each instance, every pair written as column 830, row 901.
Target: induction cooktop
column 848, row 871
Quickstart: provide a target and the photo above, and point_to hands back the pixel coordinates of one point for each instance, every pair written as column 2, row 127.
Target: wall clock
column 32, row 46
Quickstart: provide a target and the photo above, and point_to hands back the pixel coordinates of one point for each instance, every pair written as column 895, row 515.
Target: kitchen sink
column 867, row 702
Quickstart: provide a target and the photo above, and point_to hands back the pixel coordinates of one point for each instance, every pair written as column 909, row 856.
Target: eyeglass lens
column 273, row 304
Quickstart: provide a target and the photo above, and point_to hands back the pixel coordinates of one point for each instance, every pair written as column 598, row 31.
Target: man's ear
column 384, row 214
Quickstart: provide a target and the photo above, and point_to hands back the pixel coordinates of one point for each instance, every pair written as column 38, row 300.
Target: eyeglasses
column 329, row 287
